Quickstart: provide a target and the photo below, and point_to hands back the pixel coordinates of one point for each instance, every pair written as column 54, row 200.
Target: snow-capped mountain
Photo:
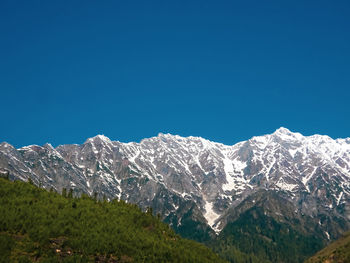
column 193, row 180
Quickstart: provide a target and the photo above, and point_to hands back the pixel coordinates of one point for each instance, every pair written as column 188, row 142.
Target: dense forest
column 258, row 238
column 37, row 225
column 336, row 252
column 41, row 226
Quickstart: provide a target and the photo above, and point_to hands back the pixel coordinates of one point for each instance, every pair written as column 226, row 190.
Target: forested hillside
column 268, row 231
column 41, row 226
column 336, row 252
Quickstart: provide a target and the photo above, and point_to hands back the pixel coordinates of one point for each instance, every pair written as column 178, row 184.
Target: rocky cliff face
column 197, row 184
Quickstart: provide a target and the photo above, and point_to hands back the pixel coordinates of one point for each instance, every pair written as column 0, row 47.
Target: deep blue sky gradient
column 223, row 70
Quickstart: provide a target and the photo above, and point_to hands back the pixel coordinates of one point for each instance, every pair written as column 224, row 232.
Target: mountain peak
column 48, row 146
column 160, row 134
column 283, row 130
column 5, row 144
column 169, row 136
column 168, row 171
column 286, row 134
column 99, row 137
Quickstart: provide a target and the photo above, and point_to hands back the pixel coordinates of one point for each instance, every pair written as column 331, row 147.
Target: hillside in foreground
column 41, row 226
column 336, row 252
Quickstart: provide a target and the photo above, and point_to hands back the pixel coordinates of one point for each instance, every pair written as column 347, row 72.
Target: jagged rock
column 193, row 181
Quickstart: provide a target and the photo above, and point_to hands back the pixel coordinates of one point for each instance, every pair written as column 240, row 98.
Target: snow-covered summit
column 100, row 138
column 168, row 171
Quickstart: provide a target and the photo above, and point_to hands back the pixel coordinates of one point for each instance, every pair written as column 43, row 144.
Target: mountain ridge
column 192, row 155
column 190, row 136
column 197, row 185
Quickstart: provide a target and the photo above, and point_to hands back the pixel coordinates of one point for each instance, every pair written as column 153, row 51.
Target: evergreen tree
column 64, row 192
column 30, row 181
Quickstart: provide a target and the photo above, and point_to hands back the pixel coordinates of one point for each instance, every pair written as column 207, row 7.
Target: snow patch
column 232, row 167
column 339, row 198
column 307, row 178
column 210, row 215
column 328, row 236
column 269, row 169
column 119, row 188
column 292, row 152
column 285, row 186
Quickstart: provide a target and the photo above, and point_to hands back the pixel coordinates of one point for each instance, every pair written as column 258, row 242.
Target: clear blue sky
column 223, row 70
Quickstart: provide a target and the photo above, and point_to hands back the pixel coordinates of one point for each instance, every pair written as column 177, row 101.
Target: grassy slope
column 338, row 251
column 36, row 225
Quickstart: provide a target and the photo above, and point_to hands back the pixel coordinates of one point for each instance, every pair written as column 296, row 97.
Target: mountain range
column 204, row 188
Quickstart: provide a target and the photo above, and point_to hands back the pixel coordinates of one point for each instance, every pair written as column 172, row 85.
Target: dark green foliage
column 191, row 228
column 232, row 254
column 41, row 226
column 149, row 210
column 338, row 251
column 201, row 233
column 64, row 192
column 6, row 245
column 5, row 175
column 30, row 181
column 255, row 233
column 70, row 193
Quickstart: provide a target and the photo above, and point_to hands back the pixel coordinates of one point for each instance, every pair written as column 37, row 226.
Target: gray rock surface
column 198, row 180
